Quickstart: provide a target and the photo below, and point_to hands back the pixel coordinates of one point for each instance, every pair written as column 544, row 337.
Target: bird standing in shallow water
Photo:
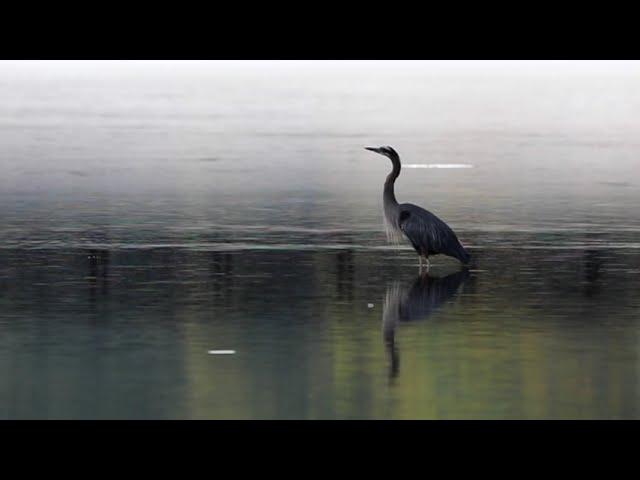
column 427, row 233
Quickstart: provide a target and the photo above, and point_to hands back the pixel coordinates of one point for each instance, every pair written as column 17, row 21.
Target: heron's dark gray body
column 427, row 233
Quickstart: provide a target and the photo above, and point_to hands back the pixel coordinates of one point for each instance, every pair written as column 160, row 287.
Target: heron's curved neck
column 389, row 194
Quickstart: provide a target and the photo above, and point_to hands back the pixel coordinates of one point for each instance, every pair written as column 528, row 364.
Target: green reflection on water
column 125, row 334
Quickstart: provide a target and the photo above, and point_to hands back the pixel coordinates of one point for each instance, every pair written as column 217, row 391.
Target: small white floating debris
column 437, row 165
column 221, row 352
column 370, row 305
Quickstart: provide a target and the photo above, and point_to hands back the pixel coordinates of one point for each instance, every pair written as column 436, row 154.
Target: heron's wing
column 427, row 232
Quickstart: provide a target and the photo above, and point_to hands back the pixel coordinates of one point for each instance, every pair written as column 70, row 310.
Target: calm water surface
column 152, row 212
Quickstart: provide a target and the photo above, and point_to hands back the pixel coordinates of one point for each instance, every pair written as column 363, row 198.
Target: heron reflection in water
column 415, row 301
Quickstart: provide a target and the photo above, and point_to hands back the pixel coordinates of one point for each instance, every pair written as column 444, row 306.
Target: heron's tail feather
column 462, row 255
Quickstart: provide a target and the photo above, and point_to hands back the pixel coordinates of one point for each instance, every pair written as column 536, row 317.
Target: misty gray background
column 552, row 143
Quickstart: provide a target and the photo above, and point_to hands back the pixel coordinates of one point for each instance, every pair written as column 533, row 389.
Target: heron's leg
column 426, row 257
column 420, row 257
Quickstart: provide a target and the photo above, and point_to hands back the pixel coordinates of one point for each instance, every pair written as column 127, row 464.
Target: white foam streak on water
column 437, row 165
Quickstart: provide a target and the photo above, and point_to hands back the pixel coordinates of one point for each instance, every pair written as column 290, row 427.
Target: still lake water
column 153, row 211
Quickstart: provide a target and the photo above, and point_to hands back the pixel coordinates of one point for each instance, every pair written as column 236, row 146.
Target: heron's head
column 386, row 151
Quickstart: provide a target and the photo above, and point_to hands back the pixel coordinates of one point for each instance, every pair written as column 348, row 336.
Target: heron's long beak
column 373, row 149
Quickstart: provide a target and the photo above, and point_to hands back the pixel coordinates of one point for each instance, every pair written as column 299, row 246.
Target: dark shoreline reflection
column 413, row 302
column 98, row 261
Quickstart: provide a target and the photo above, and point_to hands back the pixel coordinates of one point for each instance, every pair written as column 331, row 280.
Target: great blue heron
column 427, row 233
